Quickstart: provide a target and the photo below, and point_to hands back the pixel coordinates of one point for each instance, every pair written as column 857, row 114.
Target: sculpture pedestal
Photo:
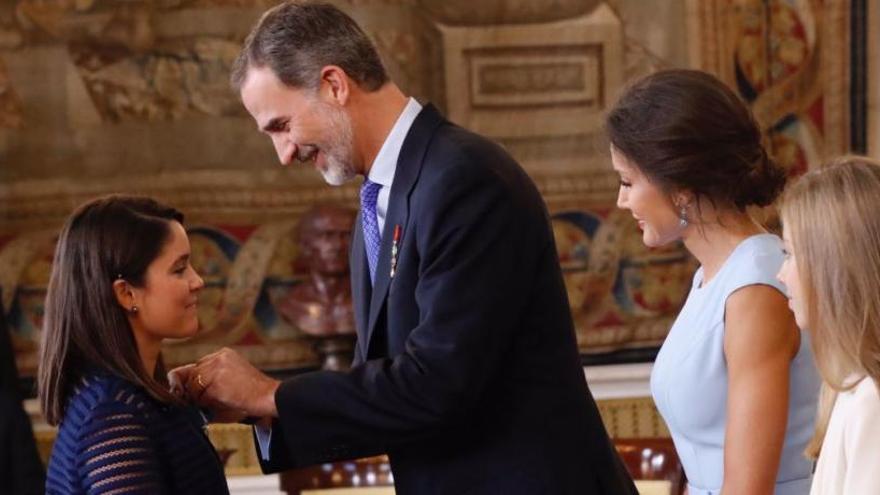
column 335, row 352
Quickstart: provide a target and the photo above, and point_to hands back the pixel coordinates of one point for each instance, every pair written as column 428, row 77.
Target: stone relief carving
column 10, row 105
column 180, row 78
column 123, row 24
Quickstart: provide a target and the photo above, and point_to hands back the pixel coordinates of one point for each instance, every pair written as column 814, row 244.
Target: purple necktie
column 372, row 239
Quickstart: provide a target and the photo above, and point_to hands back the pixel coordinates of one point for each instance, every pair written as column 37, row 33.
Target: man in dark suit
column 466, row 371
column 21, row 471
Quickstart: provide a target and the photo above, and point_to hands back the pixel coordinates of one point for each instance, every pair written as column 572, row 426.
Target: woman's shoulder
column 105, row 387
column 756, row 261
column 99, row 393
column 760, row 250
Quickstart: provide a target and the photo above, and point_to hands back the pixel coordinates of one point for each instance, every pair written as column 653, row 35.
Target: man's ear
column 335, row 84
column 124, row 294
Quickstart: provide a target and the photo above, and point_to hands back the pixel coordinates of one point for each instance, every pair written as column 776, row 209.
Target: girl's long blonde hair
column 832, row 219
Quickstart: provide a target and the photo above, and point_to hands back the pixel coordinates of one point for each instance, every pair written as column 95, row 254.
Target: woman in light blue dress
column 734, row 380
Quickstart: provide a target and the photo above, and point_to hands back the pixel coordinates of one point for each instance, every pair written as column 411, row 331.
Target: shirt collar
column 383, row 167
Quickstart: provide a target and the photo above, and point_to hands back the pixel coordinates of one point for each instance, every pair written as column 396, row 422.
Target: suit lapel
column 360, row 284
column 409, row 164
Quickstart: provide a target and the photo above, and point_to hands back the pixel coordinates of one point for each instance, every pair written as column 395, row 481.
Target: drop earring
column 682, row 217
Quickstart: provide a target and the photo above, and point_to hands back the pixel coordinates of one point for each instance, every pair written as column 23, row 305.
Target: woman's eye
column 624, row 183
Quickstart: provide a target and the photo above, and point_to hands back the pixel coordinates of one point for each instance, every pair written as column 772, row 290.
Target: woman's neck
column 713, row 240
column 149, row 351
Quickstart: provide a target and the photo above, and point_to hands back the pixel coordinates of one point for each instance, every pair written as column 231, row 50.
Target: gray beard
column 337, row 173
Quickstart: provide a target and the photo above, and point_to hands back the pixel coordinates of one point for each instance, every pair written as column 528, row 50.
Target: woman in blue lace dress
column 121, row 283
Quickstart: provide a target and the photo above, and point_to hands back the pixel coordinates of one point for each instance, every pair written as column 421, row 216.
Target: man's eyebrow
column 273, row 125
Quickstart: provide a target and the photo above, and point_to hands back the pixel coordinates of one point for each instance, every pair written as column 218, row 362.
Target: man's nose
column 285, row 150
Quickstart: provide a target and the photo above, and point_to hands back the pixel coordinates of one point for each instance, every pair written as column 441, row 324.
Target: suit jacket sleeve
column 478, row 236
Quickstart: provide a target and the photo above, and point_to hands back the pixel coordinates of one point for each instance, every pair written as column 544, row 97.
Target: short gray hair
column 297, row 39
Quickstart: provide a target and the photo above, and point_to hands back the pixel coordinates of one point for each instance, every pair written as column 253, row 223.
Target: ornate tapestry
column 790, row 60
column 622, row 294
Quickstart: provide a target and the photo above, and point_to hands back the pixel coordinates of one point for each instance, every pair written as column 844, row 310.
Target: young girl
column 832, row 234
column 121, row 283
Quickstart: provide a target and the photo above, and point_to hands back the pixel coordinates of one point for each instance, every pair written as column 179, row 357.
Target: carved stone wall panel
column 653, row 36
column 529, row 81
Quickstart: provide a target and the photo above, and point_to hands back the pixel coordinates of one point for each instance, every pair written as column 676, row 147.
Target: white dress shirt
column 383, row 167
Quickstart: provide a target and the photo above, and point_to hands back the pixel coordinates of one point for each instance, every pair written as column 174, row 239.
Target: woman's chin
column 189, row 331
column 652, row 240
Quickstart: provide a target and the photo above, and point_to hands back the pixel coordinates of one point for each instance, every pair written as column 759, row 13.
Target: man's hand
column 227, row 384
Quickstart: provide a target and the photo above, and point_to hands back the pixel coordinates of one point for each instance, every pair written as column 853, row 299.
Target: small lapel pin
column 394, row 247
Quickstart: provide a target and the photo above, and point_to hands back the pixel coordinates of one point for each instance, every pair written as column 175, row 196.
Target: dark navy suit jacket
column 466, row 372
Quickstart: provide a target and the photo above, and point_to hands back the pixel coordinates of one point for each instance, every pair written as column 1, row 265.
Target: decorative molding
column 536, row 77
column 546, row 79
column 264, row 484
column 619, row 381
column 502, row 12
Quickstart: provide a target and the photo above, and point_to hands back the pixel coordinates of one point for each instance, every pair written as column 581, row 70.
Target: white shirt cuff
column 264, row 440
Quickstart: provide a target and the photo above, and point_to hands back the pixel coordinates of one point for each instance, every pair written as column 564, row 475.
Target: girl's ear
column 124, row 294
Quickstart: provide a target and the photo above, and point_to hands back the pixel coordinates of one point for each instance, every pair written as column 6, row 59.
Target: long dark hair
column 84, row 326
column 686, row 130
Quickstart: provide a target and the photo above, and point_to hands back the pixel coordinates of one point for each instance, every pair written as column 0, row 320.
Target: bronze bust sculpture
column 321, row 305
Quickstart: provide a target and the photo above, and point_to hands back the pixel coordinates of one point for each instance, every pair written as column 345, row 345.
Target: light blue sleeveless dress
column 689, row 379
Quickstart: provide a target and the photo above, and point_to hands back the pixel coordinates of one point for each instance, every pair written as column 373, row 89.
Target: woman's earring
column 682, row 217
column 134, row 309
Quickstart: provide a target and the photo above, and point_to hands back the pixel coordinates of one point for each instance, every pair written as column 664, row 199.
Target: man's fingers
column 210, row 357
column 178, row 377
